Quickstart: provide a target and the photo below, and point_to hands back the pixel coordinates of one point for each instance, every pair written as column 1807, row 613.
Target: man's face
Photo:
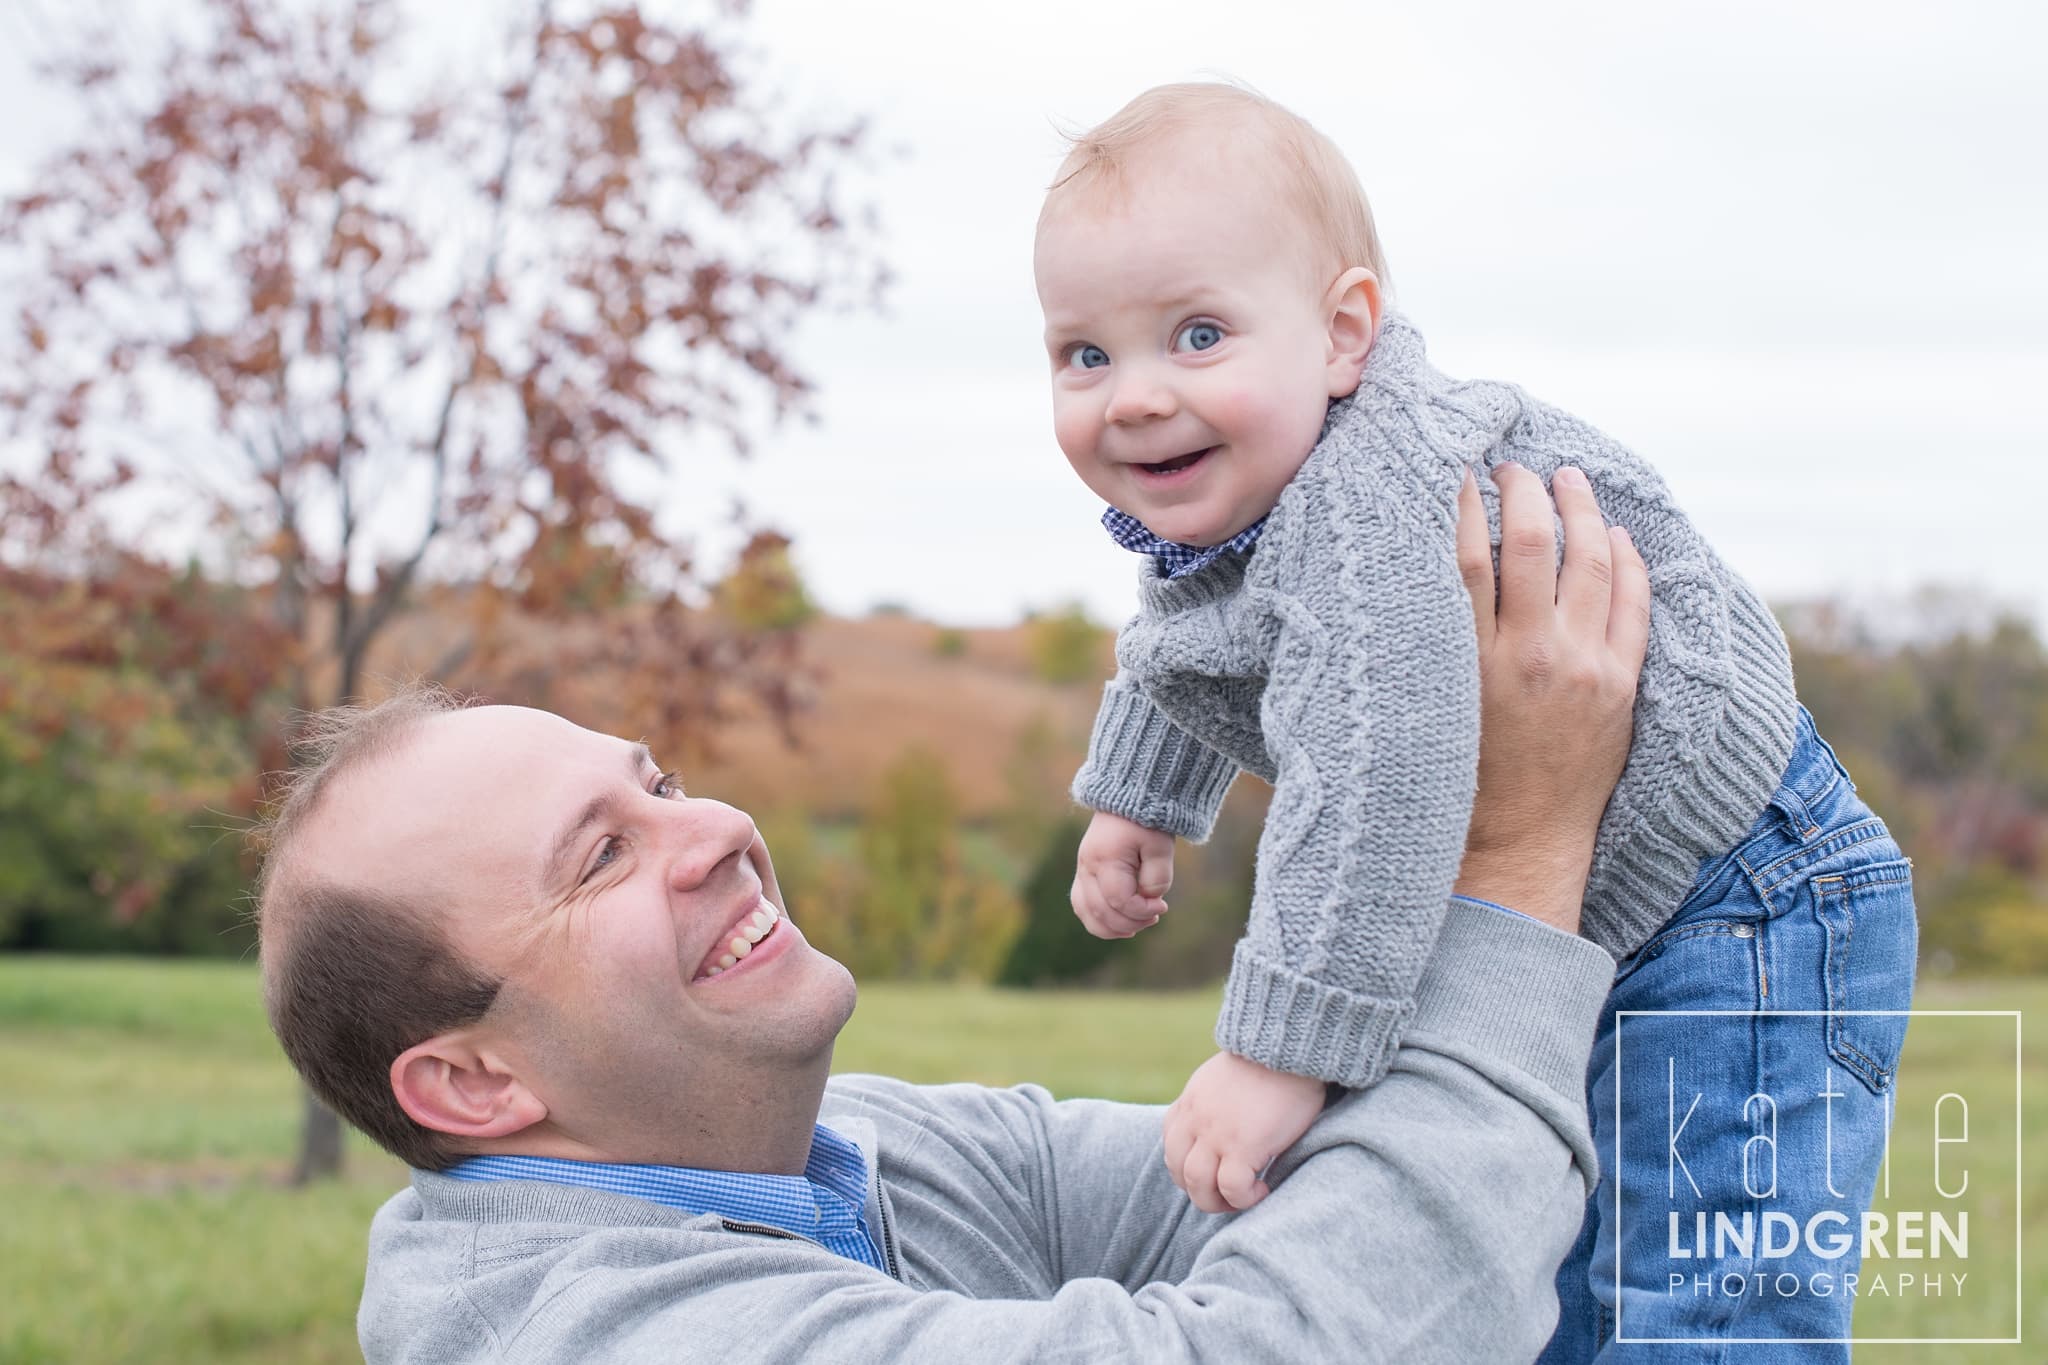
column 564, row 862
column 1189, row 343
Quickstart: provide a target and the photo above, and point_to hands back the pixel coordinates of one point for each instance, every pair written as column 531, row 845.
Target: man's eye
column 669, row 785
column 1198, row 336
column 1087, row 357
column 607, row 854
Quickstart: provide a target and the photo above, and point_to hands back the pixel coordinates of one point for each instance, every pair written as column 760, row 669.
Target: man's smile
column 739, row 941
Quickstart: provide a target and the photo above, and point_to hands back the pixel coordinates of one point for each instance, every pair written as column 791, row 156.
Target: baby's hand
column 1233, row 1118
column 1121, row 876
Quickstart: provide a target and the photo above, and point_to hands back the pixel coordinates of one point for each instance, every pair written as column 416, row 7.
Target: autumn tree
column 336, row 324
column 120, row 745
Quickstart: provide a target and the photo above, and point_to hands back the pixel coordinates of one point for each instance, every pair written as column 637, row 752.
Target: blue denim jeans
column 1740, row 1142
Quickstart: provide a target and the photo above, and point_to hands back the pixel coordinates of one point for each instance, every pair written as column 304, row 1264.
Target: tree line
column 133, row 729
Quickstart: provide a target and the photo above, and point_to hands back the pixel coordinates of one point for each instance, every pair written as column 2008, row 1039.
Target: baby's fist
column 1121, row 876
column 1233, row 1118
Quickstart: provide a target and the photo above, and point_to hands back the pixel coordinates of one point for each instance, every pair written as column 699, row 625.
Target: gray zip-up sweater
column 1420, row 1221
column 1337, row 662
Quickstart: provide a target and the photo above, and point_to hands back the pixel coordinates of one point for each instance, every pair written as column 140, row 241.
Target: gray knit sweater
column 1337, row 661
column 1421, row 1221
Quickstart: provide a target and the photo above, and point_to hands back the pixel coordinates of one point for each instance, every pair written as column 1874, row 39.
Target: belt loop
column 1798, row 819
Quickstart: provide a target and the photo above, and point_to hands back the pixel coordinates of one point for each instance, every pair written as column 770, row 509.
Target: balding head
column 355, row 972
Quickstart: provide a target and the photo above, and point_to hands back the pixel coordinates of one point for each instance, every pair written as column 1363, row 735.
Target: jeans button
column 1744, row 931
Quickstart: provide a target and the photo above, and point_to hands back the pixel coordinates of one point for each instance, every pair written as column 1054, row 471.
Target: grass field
column 146, row 1117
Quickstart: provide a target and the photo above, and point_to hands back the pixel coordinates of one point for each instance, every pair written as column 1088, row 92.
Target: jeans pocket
column 1872, row 940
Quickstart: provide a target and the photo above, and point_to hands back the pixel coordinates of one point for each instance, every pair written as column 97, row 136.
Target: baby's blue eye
column 1085, row 357
column 1198, row 336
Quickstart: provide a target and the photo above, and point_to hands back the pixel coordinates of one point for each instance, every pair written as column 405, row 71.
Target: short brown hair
column 351, row 977
column 1311, row 173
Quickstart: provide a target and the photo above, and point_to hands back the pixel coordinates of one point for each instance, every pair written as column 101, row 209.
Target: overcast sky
column 1793, row 254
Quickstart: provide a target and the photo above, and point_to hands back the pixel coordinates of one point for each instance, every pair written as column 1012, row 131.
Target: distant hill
column 884, row 687
column 883, row 684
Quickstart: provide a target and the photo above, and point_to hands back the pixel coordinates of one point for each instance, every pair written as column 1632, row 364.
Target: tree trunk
column 319, row 1143
column 320, row 1130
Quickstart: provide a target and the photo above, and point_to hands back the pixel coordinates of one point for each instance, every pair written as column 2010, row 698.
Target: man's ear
column 454, row 1084
column 1353, row 307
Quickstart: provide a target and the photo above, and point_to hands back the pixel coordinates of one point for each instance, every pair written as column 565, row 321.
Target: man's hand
column 1558, row 666
column 1121, row 876
column 1229, row 1123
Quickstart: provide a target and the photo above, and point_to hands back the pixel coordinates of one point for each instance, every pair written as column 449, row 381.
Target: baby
column 1228, row 375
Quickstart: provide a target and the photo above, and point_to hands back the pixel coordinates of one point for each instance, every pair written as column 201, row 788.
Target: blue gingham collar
column 827, row 1203
column 1176, row 559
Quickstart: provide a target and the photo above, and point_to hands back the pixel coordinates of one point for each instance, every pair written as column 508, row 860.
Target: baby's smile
column 1167, row 471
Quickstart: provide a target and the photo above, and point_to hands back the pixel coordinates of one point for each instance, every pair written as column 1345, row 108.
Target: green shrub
column 113, row 841
column 1054, row 948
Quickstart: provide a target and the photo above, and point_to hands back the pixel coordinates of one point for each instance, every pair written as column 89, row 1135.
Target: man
column 568, row 994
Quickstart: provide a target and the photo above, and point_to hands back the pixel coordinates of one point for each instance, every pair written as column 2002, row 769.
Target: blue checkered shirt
column 1176, row 559
column 827, row 1204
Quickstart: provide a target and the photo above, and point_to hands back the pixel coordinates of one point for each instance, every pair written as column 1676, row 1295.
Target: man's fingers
column 1239, row 1183
column 1528, row 549
column 1628, row 613
column 1585, row 584
column 1475, row 558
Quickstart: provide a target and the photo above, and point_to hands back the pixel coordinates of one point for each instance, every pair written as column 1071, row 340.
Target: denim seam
column 1874, row 1073
column 1841, row 841
column 1856, row 881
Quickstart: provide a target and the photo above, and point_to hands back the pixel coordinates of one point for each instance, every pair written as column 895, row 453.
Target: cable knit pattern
column 1337, row 662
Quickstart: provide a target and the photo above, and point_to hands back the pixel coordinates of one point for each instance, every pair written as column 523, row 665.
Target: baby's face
column 1190, row 345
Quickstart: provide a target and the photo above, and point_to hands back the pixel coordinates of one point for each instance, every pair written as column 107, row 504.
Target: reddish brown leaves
column 491, row 302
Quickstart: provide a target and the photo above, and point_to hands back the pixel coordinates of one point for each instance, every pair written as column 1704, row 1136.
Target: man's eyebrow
column 553, row 870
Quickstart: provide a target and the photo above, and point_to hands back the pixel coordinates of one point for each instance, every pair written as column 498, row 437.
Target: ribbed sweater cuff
column 1144, row 768
column 1289, row 1022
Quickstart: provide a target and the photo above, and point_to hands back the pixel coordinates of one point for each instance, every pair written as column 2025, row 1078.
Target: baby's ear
column 1353, row 307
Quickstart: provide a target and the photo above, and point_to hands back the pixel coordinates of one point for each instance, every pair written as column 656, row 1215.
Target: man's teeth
column 754, row 928
column 749, row 931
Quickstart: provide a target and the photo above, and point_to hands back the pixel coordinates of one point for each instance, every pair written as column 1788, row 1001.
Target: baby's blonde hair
column 1309, row 170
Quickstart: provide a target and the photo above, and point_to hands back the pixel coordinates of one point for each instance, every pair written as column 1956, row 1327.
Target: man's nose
column 705, row 836
column 1141, row 393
